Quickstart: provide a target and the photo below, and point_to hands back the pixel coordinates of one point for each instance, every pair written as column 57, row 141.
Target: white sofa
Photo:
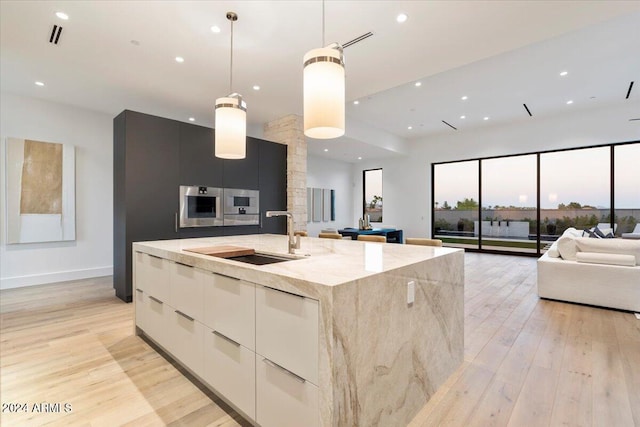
column 602, row 272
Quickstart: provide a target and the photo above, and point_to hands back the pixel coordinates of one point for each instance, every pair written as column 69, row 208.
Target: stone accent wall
column 289, row 130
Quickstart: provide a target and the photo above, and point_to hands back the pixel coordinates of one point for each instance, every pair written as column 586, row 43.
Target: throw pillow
column 596, row 233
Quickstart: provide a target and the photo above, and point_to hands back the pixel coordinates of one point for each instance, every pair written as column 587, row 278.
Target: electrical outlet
column 411, row 292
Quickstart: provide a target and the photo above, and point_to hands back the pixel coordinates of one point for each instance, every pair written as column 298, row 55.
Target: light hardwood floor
column 528, row 362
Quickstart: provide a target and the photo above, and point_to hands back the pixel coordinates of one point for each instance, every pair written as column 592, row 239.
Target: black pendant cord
column 231, row 62
column 323, row 43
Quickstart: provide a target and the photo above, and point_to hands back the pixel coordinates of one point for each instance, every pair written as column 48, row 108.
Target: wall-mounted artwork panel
column 317, row 204
column 40, row 194
column 326, row 205
column 309, row 204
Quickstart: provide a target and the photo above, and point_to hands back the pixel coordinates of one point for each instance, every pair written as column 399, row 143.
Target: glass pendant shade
column 231, row 128
column 324, row 93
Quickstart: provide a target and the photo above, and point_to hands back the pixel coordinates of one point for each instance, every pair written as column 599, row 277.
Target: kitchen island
column 345, row 333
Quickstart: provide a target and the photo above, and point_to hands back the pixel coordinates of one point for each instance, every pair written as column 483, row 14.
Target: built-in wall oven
column 241, row 207
column 200, row 206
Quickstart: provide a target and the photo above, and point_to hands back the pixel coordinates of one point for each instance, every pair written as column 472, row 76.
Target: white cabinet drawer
column 156, row 315
column 186, row 340
column 287, row 331
column 229, row 308
column 187, row 289
column 282, row 400
column 141, row 309
column 230, row 369
column 153, row 276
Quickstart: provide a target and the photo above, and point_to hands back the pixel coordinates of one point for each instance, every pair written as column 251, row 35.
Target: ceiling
column 113, row 56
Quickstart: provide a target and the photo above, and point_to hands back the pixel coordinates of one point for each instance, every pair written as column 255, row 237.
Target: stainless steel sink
column 261, row 259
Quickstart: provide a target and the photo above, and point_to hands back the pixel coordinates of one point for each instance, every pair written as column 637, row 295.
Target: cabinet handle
column 154, row 256
column 236, row 343
column 284, row 292
column 224, row 275
column 183, row 264
column 175, row 222
column 275, row 365
column 155, row 299
column 185, row 316
column 140, row 290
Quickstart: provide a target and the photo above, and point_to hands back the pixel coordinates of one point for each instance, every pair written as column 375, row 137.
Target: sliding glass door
column 456, row 204
column 575, row 190
column 626, row 188
column 509, row 203
column 523, row 203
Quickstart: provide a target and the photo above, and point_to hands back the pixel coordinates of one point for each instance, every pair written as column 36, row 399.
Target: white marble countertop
column 322, row 261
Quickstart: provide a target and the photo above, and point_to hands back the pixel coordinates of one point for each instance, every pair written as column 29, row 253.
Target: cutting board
column 223, row 251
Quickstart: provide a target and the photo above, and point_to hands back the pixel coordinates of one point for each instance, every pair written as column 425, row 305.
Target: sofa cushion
column 609, row 246
column 553, row 250
column 609, row 259
column 567, row 247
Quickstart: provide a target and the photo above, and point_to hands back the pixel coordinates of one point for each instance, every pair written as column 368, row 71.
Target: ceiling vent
column 527, row 108
column 357, row 39
column 629, row 91
column 452, row 127
column 55, row 34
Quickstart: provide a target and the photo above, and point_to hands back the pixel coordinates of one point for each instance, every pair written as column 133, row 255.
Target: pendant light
column 324, row 92
column 231, row 117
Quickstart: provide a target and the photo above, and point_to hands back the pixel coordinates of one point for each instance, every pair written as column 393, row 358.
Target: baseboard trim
column 59, row 276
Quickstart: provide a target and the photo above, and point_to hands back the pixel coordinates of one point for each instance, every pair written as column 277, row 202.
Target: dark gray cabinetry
column 153, row 156
column 198, row 165
column 145, row 187
column 243, row 173
column 273, row 178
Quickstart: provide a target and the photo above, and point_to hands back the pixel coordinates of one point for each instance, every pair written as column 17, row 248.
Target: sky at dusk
column 567, row 176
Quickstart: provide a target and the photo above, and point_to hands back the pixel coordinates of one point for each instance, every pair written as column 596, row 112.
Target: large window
column 509, row 203
column 524, row 203
column 456, row 203
column 372, row 203
column 627, row 187
column 575, row 190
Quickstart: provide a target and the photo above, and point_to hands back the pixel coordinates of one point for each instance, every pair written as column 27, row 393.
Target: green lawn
column 490, row 242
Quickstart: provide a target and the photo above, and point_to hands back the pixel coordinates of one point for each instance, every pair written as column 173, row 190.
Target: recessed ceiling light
column 409, row 127
column 356, row 102
column 464, row 98
column 486, row 118
column 256, row 87
column 62, row 15
column 39, row 84
column 191, row 119
column 564, row 73
column 326, row 149
column 359, row 158
column 463, row 117
column 402, row 18
column 215, row 29
column 418, row 84
column 569, row 102
column 179, row 59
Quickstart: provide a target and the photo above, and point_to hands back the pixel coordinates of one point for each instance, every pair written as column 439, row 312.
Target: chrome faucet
column 294, row 241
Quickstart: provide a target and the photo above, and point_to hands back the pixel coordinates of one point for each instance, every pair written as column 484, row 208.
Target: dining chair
column 372, row 238
column 330, row 236
column 423, row 242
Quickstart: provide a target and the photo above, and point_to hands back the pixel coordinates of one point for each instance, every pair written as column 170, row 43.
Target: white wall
column 407, row 180
column 91, row 254
column 335, row 175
